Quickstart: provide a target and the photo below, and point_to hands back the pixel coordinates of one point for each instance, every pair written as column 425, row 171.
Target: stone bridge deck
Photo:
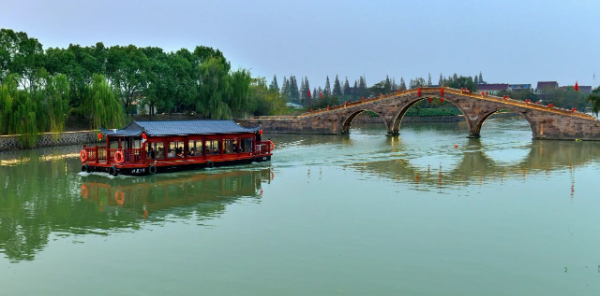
column 546, row 122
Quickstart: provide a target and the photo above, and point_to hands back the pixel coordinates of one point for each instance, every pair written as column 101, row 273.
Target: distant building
column 492, row 88
column 519, row 87
column 544, row 86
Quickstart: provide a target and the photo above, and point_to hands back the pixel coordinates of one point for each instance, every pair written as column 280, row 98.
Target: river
column 427, row 213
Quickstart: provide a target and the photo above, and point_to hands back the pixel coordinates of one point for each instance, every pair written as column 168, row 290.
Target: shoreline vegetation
column 48, row 89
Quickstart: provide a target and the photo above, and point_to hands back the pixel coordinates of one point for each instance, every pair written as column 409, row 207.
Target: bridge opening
column 434, row 111
column 504, row 124
column 363, row 118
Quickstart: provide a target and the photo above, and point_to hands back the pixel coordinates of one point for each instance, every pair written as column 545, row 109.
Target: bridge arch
column 397, row 119
column 475, row 129
column 347, row 119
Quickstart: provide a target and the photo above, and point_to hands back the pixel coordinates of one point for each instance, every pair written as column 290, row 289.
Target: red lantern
column 261, row 131
column 574, row 109
column 429, row 99
column 144, row 136
column 327, row 107
column 309, row 93
column 576, row 86
column 442, row 100
column 321, row 95
column 482, row 94
column 310, row 110
column 99, row 136
column 442, row 92
column 419, row 92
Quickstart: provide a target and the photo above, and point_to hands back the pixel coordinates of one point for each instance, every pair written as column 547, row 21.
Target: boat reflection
column 202, row 194
column 41, row 201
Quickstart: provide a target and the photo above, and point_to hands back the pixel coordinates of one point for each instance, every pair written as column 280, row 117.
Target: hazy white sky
column 509, row 41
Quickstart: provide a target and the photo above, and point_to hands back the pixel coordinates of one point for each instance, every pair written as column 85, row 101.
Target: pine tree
column 315, row 94
column 274, row 86
column 303, row 91
column 475, row 80
column 402, row 84
column 362, row 86
column 394, row 85
column 355, row 89
column 337, row 87
column 387, row 85
column 441, row 82
column 294, row 94
column 429, row 83
column 481, row 81
column 346, row 89
column 284, row 88
column 327, row 90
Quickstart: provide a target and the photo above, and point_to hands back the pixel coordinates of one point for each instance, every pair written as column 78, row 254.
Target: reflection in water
column 45, row 195
column 474, row 164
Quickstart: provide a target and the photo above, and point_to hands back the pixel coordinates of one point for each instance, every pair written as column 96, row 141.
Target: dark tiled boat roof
column 180, row 128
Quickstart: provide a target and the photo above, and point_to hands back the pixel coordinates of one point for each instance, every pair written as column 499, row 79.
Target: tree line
column 319, row 97
column 102, row 84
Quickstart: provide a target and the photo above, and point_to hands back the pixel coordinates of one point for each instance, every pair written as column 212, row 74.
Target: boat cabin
column 148, row 147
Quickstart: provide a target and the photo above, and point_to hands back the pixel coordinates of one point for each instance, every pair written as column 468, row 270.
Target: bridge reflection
column 476, row 165
column 42, row 199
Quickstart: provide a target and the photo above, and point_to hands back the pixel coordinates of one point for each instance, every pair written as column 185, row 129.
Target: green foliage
column 456, row 81
column 102, row 105
column 520, row 95
column 594, row 99
column 268, row 101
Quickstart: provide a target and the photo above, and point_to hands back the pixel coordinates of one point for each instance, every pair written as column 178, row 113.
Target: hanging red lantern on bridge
column 309, row 93
column 442, row 100
column 418, row 92
column 99, row 136
column 576, row 86
column 442, row 91
column 321, row 95
column 483, row 94
column 550, row 105
column 310, row 110
column 573, row 110
column 429, row 99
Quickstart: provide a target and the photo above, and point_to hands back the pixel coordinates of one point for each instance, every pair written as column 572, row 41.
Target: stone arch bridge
column 546, row 122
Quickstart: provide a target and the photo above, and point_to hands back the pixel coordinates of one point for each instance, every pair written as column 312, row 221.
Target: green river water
column 362, row 214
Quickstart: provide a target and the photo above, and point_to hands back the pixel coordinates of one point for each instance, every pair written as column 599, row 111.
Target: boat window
column 156, row 150
column 194, row 148
column 231, row 146
column 246, row 146
column 212, row 147
column 175, row 150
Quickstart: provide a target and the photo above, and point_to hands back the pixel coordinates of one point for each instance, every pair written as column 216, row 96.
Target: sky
column 508, row 41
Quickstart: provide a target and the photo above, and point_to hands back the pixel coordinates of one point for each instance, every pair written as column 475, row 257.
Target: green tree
column 274, row 86
column 337, row 87
column 213, row 88
column 346, row 90
column 594, row 99
column 102, row 105
column 127, row 69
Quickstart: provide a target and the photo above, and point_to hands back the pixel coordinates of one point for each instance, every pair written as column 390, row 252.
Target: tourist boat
column 149, row 147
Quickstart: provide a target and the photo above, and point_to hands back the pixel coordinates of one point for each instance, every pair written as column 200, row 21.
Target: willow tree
column 102, row 105
column 240, row 100
column 214, row 88
column 8, row 91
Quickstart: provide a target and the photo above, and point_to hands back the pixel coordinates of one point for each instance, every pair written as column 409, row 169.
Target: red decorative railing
column 137, row 155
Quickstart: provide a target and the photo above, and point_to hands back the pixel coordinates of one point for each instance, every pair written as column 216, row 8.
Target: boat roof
column 179, row 128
